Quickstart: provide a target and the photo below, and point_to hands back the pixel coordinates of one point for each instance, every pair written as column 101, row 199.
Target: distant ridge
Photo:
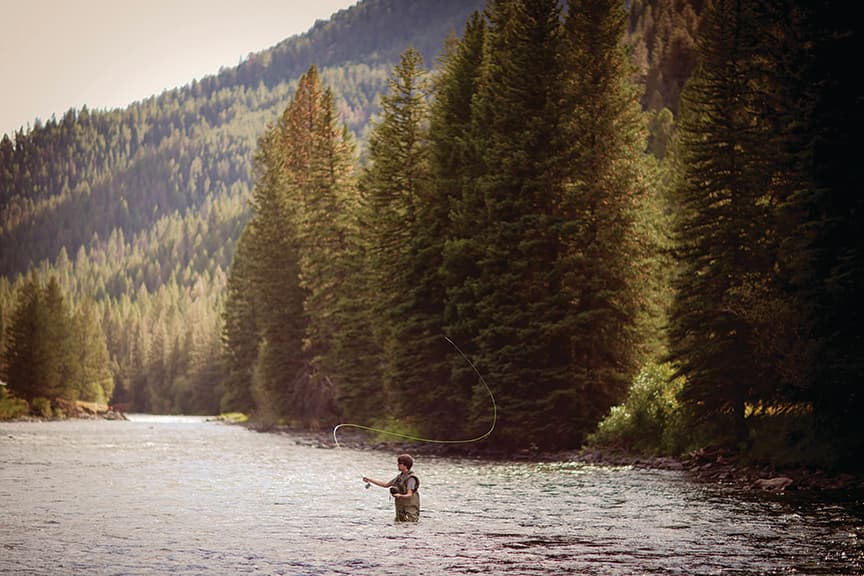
column 370, row 32
column 125, row 170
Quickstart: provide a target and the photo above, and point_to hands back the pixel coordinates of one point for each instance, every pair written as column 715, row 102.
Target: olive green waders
column 408, row 509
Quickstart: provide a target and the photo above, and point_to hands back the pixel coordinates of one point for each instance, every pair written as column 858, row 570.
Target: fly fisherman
column 404, row 489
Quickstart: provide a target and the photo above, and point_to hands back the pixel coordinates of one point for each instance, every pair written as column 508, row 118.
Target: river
column 177, row 495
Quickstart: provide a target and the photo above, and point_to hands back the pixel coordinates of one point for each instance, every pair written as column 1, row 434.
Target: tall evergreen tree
column 353, row 362
column 95, row 382
column 515, row 305
column 292, row 271
column 39, row 353
column 7, row 306
column 24, row 354
column 725, row 180
column 318, row 181
column 455, row 154
column 408, row 221
column 609, row 280
column 240, row 335
column 61, row 368
column 456, row 163
column 815, row 99
column 275, row 269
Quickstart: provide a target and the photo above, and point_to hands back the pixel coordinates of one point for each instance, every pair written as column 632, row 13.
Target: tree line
column 140, row 210
column 764, row 332
column 53, row 352
column 509, row 202
column 502, row 205
column 766, row 317
column 682, row 271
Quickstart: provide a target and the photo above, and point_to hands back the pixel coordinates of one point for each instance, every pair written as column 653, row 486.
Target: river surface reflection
column 169, row 495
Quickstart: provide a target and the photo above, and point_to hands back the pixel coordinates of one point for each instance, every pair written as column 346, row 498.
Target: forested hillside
column 638, row 215
column 140, row 209
column 126, row 169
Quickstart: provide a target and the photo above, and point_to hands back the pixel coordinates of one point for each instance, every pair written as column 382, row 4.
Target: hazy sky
column 62, row 54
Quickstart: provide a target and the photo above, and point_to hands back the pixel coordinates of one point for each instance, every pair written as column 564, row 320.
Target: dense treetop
column 589, row 196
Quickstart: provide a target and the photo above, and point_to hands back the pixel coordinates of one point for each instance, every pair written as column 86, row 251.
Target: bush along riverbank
column 41, row 409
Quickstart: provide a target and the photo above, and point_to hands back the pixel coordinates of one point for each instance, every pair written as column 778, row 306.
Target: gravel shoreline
column 717, row 465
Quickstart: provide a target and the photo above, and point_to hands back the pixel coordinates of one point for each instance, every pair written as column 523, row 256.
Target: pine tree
column 454, row 154
column 275, row 269
column 95, row 382
column 319, row 183
column 455, row 163
column 813, row 95
column 408, row 221
column 24, row 354
column 240, row 336
column 353, row 362
column 292, row 273
column 7, row 306
column 39, row 353
column 609, row 280
column 514, row 306
column 725, row 177
column 61, row 368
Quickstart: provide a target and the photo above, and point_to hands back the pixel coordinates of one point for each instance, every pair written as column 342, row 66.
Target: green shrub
column 401, row 428
column 41, row 407
column 651, row 420
column 12, row 407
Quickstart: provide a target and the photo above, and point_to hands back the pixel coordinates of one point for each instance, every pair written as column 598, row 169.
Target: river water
column 173, row 495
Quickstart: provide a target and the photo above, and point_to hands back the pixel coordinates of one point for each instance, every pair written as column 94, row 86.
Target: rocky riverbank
column 725, row 466
column 718, row 465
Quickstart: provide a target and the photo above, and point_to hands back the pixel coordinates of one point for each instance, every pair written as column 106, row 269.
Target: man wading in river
column 404, row 489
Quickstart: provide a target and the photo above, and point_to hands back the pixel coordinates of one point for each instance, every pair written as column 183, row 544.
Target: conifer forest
column 639, row 220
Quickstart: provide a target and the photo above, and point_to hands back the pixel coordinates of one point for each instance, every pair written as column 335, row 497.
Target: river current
column 174, row 495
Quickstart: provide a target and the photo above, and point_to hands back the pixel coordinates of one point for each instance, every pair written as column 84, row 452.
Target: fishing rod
column 432, row 440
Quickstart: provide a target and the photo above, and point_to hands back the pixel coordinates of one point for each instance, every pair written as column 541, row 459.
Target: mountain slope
column 66, row 182
column 141, row 209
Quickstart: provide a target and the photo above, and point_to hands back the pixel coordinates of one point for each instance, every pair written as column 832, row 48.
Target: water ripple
column 185, row 496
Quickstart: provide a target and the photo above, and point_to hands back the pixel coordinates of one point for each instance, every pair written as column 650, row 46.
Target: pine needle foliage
column 407, row 219
column 610, row 280
column 724, row 194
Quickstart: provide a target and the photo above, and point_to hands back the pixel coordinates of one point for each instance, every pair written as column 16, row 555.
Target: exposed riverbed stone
column 777, row 484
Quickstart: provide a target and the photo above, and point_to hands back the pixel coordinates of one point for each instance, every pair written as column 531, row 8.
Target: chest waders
column 407, row 509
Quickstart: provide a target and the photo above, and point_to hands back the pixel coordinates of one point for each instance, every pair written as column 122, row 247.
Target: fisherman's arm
column 377, row 482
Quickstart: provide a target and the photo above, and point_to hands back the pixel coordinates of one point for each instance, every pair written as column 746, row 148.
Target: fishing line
column 432, row 440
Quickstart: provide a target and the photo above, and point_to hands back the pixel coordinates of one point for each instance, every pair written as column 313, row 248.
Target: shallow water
column 160, row 495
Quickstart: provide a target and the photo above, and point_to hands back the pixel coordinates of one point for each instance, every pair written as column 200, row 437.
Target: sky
column 105, row 54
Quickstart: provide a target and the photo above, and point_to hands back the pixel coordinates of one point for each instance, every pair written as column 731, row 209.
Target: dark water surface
column 162, row 495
